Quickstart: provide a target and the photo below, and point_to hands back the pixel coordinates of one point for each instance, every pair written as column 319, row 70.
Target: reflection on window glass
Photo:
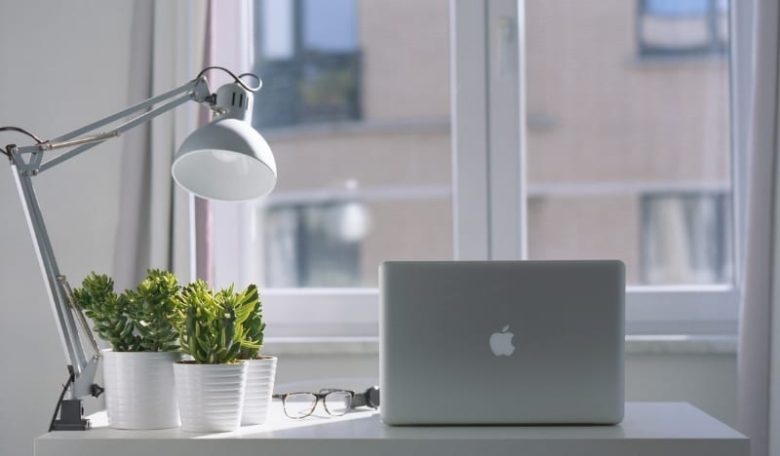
column 685, row 238
column 315, row 244
column 680, row 27
column 309, row 61
column 277, row 36
column 360, row 132
column 329, row 26
column 622, row 151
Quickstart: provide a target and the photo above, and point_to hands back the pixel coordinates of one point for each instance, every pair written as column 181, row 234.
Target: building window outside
column 668, row 28
column 314, row 244
column 309, row 61
column 685, row 238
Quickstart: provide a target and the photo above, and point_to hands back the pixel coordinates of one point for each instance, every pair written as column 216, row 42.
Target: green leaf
column 214, row 326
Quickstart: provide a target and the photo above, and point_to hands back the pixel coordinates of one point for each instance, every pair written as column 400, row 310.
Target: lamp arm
column 71, row 323
column 195, row 90
column 81, row 368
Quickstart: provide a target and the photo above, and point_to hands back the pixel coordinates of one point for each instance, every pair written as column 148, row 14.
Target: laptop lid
column 515, row 342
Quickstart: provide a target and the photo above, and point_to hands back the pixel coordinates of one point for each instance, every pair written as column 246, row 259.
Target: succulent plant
column 254, row 325
column 109, row 312
column 212, row 324
column 143, row 319
column 153, row 311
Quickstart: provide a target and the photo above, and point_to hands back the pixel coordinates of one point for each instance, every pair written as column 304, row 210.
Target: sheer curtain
column 154, row 228
column 759, row 351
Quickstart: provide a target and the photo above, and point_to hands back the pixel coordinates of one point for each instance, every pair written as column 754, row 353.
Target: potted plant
column 261, row 370
column 210, row 387
column 138, row 370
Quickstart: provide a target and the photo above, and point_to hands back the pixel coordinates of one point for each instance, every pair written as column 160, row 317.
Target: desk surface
column 649, row 428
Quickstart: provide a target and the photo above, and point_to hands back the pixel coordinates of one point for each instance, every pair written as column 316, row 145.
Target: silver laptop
column 515, row 342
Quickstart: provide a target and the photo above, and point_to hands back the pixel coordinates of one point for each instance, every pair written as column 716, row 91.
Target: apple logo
column 501, row 342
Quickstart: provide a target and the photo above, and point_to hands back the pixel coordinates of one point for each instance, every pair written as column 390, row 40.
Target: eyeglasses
column 336, row 402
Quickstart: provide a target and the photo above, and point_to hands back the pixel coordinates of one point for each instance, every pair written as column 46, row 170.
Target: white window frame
column 486, row 61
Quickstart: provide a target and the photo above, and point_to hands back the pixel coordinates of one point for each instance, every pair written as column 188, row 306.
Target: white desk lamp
column 226, row 159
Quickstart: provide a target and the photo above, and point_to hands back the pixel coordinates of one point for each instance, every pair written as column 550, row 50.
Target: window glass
column 315, row 244
column 627, row 157
column 677, row 8
column 675, row 27
column 685, row 238
column 330, row 26
column 310, row 62
column 276, row 29
column 360, row 131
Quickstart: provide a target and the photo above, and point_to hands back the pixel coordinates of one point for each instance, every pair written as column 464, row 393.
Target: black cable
column 59, row 402
column 236, row 78
column 18, row 130
column 23, row 131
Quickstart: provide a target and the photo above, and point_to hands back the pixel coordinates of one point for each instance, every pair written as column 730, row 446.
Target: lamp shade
column 225, row 160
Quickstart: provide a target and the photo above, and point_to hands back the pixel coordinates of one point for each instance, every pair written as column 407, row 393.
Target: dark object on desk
column 368, row 398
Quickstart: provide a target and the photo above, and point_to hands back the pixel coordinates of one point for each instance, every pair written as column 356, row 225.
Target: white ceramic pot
column 260, row 375
column 139, row 389
column 210, row 396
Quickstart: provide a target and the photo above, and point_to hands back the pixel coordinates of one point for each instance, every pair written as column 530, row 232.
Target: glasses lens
column 338, row 402
column 299, row 405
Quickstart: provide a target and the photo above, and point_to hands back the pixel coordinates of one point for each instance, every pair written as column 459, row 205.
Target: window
column 682, row 27
column 589, row 151
column 686, row 238
column 315, row 244
column 561, row 146
column 309, row 60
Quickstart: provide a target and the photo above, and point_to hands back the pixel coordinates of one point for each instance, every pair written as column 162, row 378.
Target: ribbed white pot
column 139, row 389
column 210, row 396
column 260, row 375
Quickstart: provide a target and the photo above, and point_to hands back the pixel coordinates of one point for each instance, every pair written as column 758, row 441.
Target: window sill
column 635, row 345
column 680, row 344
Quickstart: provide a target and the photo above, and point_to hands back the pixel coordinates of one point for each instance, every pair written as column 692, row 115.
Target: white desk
column 668, row 429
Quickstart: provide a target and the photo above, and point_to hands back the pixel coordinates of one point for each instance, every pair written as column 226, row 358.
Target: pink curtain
column 229, row 35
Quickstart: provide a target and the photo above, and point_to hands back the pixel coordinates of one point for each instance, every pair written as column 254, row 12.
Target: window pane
column 329, row 26
column 628, row 150
column 677, row 27
column 360, row 131
column 685, row 238
column 277, row 29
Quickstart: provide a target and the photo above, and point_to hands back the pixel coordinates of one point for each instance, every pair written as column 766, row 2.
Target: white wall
column 73, row 69
column 63, row 64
